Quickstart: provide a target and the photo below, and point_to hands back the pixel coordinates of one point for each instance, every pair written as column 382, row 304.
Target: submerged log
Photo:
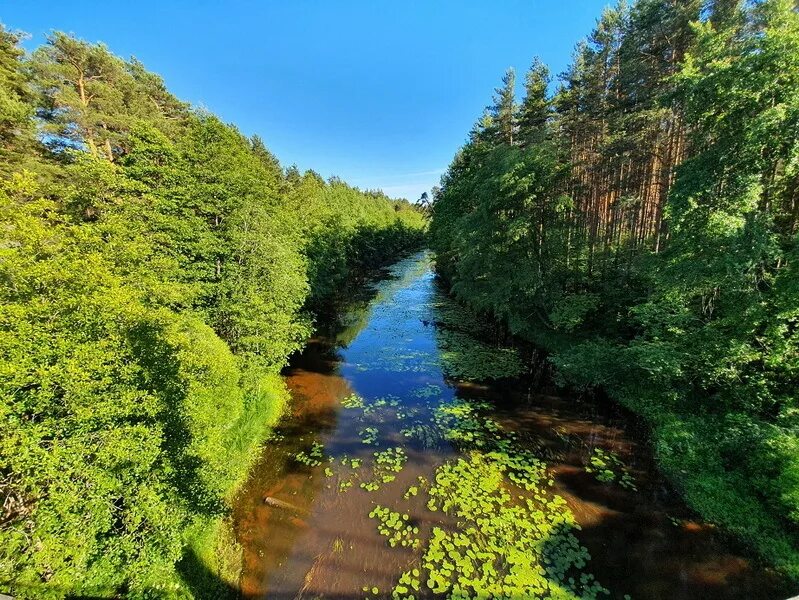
column 275, row 503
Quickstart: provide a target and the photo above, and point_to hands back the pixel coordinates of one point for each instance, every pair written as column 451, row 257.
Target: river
column 389, row 477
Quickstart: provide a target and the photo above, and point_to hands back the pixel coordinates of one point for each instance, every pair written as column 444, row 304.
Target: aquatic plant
column 387, row 464
column 427, row 391
column 407, row 584
column 391, row 459
column 396, row 527
column 460, row 422
column 413, row 490
column 313, row 457
column 352, row 401
column 353, row 463
column 378, row 403
column 368, row 435
column 512, row 537
column 607, row 467
column 503, row 546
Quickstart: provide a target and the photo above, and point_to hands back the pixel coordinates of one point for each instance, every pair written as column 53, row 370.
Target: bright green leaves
column 511, row 538
column 607, row 467
column 387, row 463
column 396, row 527
column 313, row 457
column 150, row 293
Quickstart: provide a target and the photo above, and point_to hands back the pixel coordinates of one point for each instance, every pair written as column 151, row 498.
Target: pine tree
column 504, row 111
column 535, row 110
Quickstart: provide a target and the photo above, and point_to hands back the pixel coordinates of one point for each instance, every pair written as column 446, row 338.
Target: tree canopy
column 641, row 224
column 157, row 268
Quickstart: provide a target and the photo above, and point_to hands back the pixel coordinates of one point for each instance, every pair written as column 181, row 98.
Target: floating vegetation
column 406, row 587
column 388, row 401
column 312, row 458
column 404, row 412
column 414, row 489
column 396, row 527
column 503, row 546
column 428, row 391
column 345, row 479
column 392, row 458
column 352, row 401
column 460, row 422
column 470, row 359
column 512, row 538
column 607, row 467
column 353, row 463
column 387, row 464
column 368, row 435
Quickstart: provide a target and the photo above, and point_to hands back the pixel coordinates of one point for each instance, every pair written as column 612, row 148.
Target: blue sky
column 379, row 93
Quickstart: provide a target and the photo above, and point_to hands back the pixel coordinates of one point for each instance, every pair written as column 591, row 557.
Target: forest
column 157, row 268
column 634, row 220
column 641, row 224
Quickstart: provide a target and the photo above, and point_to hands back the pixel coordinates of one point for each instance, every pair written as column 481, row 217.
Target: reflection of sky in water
column 396, row 351
column 390, row 351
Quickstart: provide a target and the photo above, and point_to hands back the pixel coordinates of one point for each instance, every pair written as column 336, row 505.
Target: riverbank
column 212, row 563
column 394, row 426
column 692, row 447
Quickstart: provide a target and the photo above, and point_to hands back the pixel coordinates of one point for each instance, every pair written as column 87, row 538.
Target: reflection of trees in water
column 470, row 348
column 357, row 313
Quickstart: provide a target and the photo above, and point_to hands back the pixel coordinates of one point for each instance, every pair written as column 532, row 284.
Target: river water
column 387, row 432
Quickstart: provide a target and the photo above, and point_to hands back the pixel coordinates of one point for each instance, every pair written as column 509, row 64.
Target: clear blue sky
column 379, row 93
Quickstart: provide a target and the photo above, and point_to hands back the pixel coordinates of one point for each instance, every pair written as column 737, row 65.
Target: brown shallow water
column 312, row 539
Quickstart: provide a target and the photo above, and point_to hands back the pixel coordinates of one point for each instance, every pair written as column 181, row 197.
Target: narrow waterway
column 393, row 473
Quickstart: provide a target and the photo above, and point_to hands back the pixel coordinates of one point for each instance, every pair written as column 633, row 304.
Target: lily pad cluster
column 346, row 473
column 386, row 466
column 396, row 527
column 464, row 424
column 607, row 467
column 352, row 401
column 313, row 457
column 368, row 435
column 505, row 545
column 504, row 534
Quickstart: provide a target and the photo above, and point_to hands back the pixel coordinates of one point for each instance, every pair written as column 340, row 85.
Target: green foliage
column 156, row 270
column 313, row 457
column 503, row 548
column 608, row 468
column 503, row 535
column 395, row 527
column 682, row 302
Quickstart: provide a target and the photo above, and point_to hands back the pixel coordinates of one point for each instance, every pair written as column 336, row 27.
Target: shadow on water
column 312, row 539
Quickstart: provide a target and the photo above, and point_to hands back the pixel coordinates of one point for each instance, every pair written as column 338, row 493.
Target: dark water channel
column 376, row 384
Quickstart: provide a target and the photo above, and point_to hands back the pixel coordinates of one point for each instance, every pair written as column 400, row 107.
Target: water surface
column 376, row 384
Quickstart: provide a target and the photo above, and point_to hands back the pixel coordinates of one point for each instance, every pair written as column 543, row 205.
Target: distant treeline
column 641, row 224
column 157, row 268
